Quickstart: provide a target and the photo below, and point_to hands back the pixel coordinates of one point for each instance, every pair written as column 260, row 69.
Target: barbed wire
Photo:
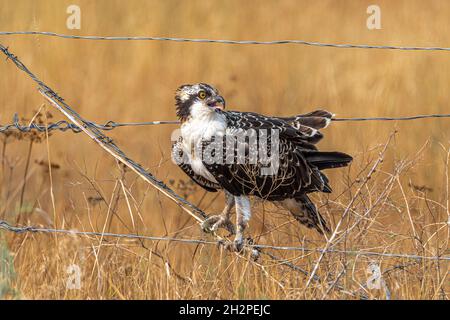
column 104, row 140
column 64, row 125
column 21, row 229
column 106, row 143
column 224, row 41
column 109, row 125
column 406, row 118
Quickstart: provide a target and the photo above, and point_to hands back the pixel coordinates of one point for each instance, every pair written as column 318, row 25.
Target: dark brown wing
column 180, row 159
column 293, row 176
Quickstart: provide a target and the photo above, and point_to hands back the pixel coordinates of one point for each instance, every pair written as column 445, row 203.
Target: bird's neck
column 203, row 124
column 201, row 112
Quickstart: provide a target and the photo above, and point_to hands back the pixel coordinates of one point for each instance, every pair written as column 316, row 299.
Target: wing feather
column 180, row 159
column 294, row 175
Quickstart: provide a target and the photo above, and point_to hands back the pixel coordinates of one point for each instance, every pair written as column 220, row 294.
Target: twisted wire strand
column 226, row 41
column 64, row 125
column 97, row 135
column 406, row 118
column 21, row 229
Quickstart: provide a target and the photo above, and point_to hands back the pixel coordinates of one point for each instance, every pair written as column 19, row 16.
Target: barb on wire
column 64, row 125
column 17, row 229
column 224, row 41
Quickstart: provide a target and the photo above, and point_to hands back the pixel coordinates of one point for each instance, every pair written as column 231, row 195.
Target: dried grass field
column 66, row 181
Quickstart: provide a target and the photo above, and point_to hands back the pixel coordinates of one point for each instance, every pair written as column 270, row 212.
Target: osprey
column 219, row 150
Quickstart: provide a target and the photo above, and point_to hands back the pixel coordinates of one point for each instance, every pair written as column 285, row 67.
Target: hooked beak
column 217, row 103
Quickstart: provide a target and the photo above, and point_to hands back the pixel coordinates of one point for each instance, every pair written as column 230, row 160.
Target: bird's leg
column 223, row 219
column 243, row 213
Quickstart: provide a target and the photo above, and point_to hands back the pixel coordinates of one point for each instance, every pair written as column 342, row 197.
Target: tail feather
column 318, row 119
column 310, row 123
column 305, row 212
column 326, row 160
column 313, row 122
column 318, row 113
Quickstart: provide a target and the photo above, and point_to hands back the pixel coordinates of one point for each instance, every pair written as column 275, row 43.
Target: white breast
column 203, row 125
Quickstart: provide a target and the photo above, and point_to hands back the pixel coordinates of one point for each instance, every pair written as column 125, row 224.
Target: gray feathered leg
column 243, row 213
column 222, row 220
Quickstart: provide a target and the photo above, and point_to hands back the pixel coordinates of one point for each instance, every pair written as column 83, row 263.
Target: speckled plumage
column 300, row 163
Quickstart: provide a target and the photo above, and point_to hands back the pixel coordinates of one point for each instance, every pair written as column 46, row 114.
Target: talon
column 207, row 225
column 229, row 246
column 221, row 243
column 230, row 227
column 213, row 223
column 238, row 244
column 255, row 254
column 215, row 226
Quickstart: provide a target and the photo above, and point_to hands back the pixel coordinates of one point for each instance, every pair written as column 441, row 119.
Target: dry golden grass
column 403, row 208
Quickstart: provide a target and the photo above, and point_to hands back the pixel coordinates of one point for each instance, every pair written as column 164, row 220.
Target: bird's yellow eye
column 202, row 94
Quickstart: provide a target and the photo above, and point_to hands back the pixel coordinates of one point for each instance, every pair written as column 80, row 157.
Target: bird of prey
column 231, row 167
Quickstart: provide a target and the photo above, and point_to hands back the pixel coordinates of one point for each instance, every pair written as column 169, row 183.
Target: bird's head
column 196, row 100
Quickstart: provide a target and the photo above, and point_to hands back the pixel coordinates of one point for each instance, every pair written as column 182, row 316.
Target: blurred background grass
column 136, row 80
column 133, row 81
